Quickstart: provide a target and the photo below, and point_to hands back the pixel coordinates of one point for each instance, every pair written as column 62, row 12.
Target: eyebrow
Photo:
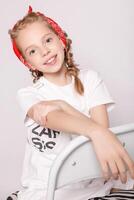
column 41, row 39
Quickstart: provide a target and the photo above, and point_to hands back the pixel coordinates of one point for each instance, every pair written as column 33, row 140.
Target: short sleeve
column 26, row 98
column 97, row 92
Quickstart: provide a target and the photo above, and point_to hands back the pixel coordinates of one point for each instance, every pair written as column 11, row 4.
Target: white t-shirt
column 43, row 144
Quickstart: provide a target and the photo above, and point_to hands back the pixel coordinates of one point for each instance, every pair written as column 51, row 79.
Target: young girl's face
column 41, row 47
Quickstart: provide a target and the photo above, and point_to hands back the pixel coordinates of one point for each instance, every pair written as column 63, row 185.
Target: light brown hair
column 72, row 69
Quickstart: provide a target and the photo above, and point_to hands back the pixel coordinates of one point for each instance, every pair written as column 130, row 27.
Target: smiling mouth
column 51, row 61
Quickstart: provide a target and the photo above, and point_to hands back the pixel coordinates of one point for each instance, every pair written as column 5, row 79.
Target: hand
column 41, row 109
column 113, row 158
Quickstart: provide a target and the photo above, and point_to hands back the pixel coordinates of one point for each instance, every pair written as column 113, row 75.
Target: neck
column 59, row 78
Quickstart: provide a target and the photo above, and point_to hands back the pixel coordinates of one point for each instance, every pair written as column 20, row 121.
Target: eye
column 33, row 51
column 49, row 40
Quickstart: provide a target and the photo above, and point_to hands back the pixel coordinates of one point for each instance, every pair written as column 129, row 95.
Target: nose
column 44, row 51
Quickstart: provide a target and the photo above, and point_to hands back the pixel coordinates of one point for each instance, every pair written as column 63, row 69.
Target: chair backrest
column 78, row 161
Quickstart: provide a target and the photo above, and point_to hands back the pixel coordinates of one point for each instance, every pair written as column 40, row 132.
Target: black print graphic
column 42, row 138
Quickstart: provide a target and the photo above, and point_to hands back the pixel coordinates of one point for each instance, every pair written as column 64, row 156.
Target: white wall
column 103, row 39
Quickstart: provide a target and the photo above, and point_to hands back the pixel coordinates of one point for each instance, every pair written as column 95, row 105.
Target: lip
column 51, row 63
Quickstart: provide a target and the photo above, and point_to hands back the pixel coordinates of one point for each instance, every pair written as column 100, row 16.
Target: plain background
column 103, row 39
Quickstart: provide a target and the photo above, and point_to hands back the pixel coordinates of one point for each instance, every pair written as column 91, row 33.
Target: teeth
column 50, row 60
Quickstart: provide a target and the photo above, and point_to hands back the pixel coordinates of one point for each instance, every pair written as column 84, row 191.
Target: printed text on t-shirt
column 43, row 138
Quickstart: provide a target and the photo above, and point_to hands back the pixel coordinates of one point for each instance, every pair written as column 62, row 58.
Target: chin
column 53, row 69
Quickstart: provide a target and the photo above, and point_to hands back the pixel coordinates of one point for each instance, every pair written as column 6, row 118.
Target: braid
column 36, row 74
column 72, row 70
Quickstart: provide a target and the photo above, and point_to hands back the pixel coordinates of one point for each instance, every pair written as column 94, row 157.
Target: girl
column 62, row 103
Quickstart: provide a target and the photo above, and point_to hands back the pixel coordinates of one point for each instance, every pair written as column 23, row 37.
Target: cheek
column 63, row 54
column 59, row 45
column 33, row 60
column 61, row 50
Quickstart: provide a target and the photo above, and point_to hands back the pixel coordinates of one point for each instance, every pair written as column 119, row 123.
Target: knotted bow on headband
column 52, row 23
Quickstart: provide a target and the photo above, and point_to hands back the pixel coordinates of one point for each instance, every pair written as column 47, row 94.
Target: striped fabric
column 120, row 195
column 13, row 196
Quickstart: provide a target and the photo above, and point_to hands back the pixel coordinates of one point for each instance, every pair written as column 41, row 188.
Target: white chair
column 78, row 161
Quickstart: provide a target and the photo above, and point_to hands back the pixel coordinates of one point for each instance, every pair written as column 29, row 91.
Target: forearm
column 61, row 116
column 64, row 106
column 98, row 114
column 62, row 121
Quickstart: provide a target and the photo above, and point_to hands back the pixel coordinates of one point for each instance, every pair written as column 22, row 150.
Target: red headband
column 52, row 23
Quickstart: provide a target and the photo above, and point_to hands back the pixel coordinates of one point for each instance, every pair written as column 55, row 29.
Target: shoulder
column 89, row 75
column 32, row 89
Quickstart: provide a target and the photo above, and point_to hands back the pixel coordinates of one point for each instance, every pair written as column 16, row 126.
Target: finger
column 43, row 120
column 122, row 170
column 113, row 169
column 38, row 121
column 130, row 164
column 123, row 176
column 105, row 170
